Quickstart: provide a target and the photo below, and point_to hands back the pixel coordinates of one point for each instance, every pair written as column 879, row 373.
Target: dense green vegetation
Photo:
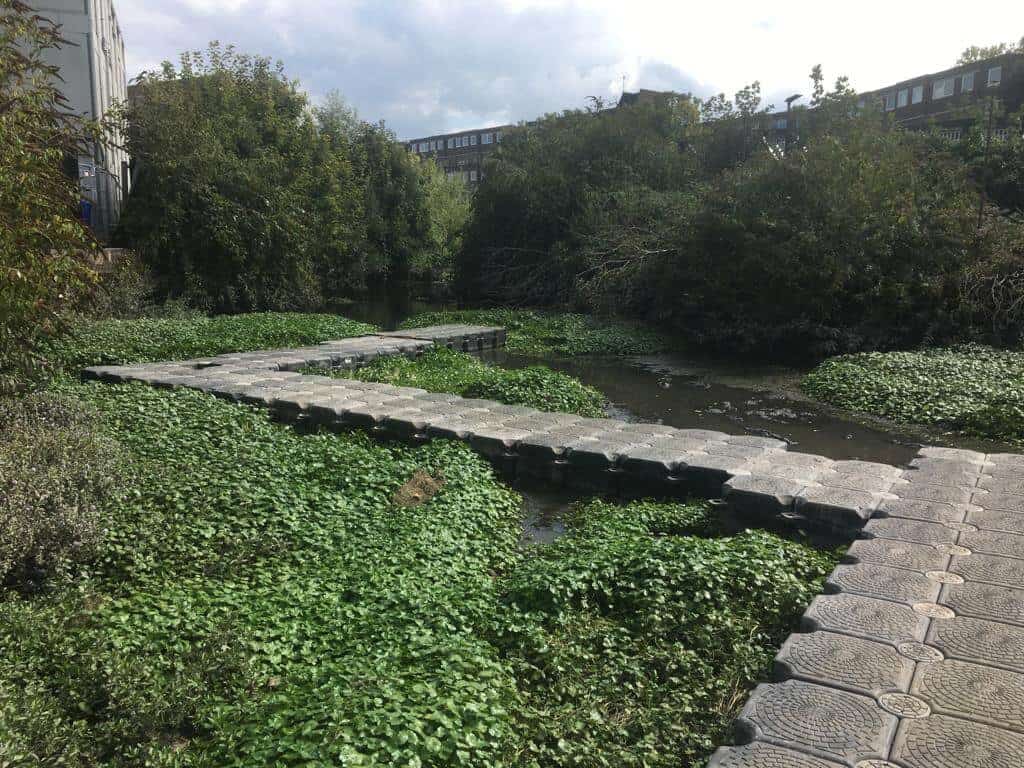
column 260, row 597
column 546, row 333
column 973, row 389
column 247, row 197
column 444, row 370
column 686, row 214
column 102, row 342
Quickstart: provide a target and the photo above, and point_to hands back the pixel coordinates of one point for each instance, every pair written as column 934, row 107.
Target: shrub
column 974, row 389
column 155, row 339
column 56, row 476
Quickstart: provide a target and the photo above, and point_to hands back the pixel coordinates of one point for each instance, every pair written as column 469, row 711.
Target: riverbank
column 971, row 390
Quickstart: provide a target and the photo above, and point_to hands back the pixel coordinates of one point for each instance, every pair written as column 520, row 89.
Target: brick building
column 460, row 154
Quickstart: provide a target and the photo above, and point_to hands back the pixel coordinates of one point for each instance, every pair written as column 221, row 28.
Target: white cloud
column 440, row 65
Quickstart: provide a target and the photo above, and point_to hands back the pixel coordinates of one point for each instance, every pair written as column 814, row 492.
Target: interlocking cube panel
column 834, row 724
column 758, row 754
column 897, row 554
column 883, row 583
column 927, row 511
column 856, row 481
column 986, row 694
column 758, row 496
column 979, row 641
column 865, row 617
column 952, row 454
column 910, row 530
column 993, row 543
column 705, row 474
column 996, row 520
column 841, row 661
column 944, row 494
column 836, row 508
column 944, row 742
column 1011, row 484
column 1006, row 571
column 1008, row 502
column 985, row 601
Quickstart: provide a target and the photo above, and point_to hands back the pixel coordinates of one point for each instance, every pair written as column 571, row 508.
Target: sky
column 437, row 66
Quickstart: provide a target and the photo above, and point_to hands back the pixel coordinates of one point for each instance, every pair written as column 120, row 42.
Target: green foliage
column 55, row 473
column 42, row 243
column 444, row 370
column 540, row 333
column 973, row 389
column 696, row 217
column 236, row 202
column 449, row 207
column 260, row 599
column 635, row 637
column 980, row 53
column 551, row 181
column 101, row 342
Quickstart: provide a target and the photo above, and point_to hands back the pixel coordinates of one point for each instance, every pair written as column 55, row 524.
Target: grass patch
column 119, row 342
column 443, row 370
column 265, row 597
column 539, row 334
column 972, row 389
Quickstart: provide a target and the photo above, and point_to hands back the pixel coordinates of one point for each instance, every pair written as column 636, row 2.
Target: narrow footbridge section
column 914, row 657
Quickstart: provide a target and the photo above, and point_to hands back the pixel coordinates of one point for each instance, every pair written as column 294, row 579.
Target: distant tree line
column 857, row 235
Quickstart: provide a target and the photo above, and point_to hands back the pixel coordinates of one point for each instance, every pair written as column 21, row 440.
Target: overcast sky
column 435, row 66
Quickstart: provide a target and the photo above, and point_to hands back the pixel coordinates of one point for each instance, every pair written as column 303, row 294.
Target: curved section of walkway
column 914, row 657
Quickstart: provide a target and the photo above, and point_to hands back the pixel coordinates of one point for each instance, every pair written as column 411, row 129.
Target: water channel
column 688, row 391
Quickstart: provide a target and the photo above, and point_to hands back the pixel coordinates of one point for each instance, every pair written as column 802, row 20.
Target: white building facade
column 92, row 66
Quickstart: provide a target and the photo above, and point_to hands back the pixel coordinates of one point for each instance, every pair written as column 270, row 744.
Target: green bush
column 155, row 339
column 56, row 477
column 443, row 370
column 974, row 389
column 539, row 334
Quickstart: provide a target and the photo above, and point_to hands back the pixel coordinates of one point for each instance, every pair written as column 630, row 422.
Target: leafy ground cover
column 536, row 333
column 444, row 370
column 266, row 597
column 974, row 389
column 115, row 342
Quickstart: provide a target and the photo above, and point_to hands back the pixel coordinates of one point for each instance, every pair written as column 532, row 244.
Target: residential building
column 92, row 68
column 460, row 154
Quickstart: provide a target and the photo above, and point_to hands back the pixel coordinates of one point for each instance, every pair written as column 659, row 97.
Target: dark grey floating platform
column 915, row 656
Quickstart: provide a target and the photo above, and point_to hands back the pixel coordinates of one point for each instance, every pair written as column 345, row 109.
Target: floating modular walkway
column 914, row 657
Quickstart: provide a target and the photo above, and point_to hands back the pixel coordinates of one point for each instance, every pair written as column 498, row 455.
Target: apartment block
column 92, row 66
column 460, row 155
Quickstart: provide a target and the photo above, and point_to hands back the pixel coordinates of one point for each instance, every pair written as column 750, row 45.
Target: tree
column 980, row 53
column 449, row 206
column 43, row 245
column 238, row 204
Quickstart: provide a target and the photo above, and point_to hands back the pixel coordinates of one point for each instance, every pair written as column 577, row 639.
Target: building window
column 472, row 175
column 486, row 138
column 995, row 76
column 451, row 143
column 950, row 134
column 903, row 98
column 917, row 94
column 967, row 82
column 943, row 88
column 890, row 102
column 472, row 140
column 497, row 137
column 780, row 124
column 1000, row 134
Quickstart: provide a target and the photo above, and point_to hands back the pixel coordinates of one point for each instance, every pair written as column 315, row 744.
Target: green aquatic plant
column 103, row 342
column 443, row 370
column 973, row 389
column 539, row 334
